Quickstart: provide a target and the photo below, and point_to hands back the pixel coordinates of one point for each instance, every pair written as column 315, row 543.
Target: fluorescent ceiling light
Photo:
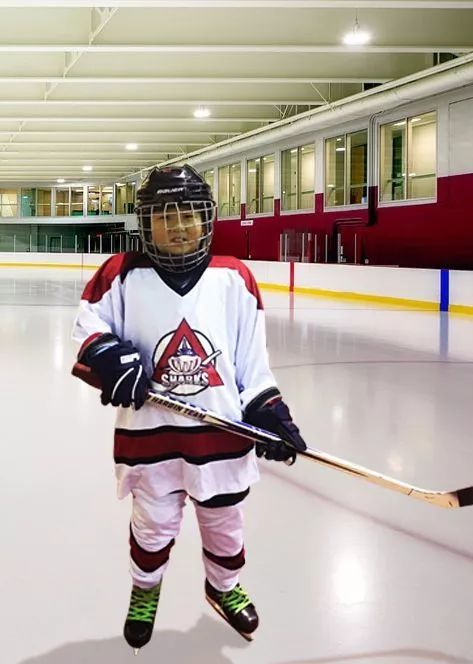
column 339, row 149
column 356, row 37
column 87, row 168
column 131, row 146
column 202, row 112
column 60, row 180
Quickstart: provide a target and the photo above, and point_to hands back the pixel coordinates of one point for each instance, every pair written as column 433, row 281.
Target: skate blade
column 218, row 609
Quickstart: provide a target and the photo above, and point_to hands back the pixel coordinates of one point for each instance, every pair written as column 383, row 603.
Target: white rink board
column 408, row 283
column 270, row 272
column 461, row 288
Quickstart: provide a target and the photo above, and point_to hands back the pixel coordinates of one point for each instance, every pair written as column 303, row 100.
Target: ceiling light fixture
column 131, row 146
column 60, row 180
column 356, row 37
column 87, row 168
column 201, row 112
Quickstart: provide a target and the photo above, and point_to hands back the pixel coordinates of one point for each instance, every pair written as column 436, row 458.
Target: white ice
column 340, row 571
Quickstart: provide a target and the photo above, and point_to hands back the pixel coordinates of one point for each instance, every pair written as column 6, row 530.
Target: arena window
column 63, row 201
column 125, row 198
column 43, row 205
column 346, row 167
column 408, row 162
column 297, row 178
column 8, row 202
column 209, row 177
column 260, row 185
column 229, row 185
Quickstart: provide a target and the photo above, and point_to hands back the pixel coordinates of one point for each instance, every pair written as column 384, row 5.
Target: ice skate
column 139, row 622
column 235, row 607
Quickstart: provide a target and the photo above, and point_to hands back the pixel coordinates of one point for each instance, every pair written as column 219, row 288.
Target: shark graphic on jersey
column 185, row 361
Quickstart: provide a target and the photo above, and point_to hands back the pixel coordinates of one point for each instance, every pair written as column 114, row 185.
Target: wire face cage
column 177, row 235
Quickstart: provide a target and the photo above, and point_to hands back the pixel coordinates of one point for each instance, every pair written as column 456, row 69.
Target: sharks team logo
column 185, row 361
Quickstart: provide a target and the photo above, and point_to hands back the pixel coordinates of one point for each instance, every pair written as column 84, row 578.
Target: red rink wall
column 430, row 235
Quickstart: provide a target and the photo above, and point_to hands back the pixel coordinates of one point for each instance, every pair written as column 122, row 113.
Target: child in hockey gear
column 193, row 324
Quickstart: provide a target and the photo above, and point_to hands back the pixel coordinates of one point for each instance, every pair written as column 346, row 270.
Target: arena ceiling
column 79, row 81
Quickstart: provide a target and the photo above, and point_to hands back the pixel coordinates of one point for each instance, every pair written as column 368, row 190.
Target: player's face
column 176, row 231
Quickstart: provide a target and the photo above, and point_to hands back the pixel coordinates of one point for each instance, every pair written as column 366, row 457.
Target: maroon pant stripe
column 149, row 561
column 228, row 562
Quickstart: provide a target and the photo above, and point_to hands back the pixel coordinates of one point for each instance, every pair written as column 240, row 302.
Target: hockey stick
column 447, row 499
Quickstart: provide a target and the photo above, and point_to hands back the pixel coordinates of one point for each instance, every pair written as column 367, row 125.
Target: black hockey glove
column 268, row 411
column 118, row 365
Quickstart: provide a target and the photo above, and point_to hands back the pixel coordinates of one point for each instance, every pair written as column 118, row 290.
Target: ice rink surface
column 340, row 571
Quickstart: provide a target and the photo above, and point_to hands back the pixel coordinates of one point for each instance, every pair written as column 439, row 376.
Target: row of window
column 68, row 201
column 407, row 170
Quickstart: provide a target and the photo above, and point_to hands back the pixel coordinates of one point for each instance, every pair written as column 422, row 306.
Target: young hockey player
column 192, row 323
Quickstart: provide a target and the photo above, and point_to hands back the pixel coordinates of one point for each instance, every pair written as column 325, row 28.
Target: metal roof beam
column 247, row 4
column 124, row 120
column 158, row 102
column 100, row 80
column 229, row 48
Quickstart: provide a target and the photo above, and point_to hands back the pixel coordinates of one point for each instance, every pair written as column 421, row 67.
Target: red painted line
column 291, row 277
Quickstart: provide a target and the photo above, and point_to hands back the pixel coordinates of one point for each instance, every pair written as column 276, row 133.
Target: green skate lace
column 235, row 600
column 144, row 603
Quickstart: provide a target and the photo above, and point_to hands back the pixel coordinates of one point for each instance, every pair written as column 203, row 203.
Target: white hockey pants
column 155, row 524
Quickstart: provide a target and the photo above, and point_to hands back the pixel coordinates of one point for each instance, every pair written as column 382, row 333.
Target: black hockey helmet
column 175, row 192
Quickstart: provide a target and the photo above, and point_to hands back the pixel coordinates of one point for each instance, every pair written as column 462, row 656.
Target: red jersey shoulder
column 232, row 263
column 116, row 266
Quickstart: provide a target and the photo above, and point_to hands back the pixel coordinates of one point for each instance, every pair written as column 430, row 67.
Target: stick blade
column 465, row 496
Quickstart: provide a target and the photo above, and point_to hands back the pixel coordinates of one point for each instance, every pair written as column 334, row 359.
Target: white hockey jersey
column 206, row 346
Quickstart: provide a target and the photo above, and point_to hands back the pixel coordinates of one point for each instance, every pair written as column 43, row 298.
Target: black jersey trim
column 183, row 282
